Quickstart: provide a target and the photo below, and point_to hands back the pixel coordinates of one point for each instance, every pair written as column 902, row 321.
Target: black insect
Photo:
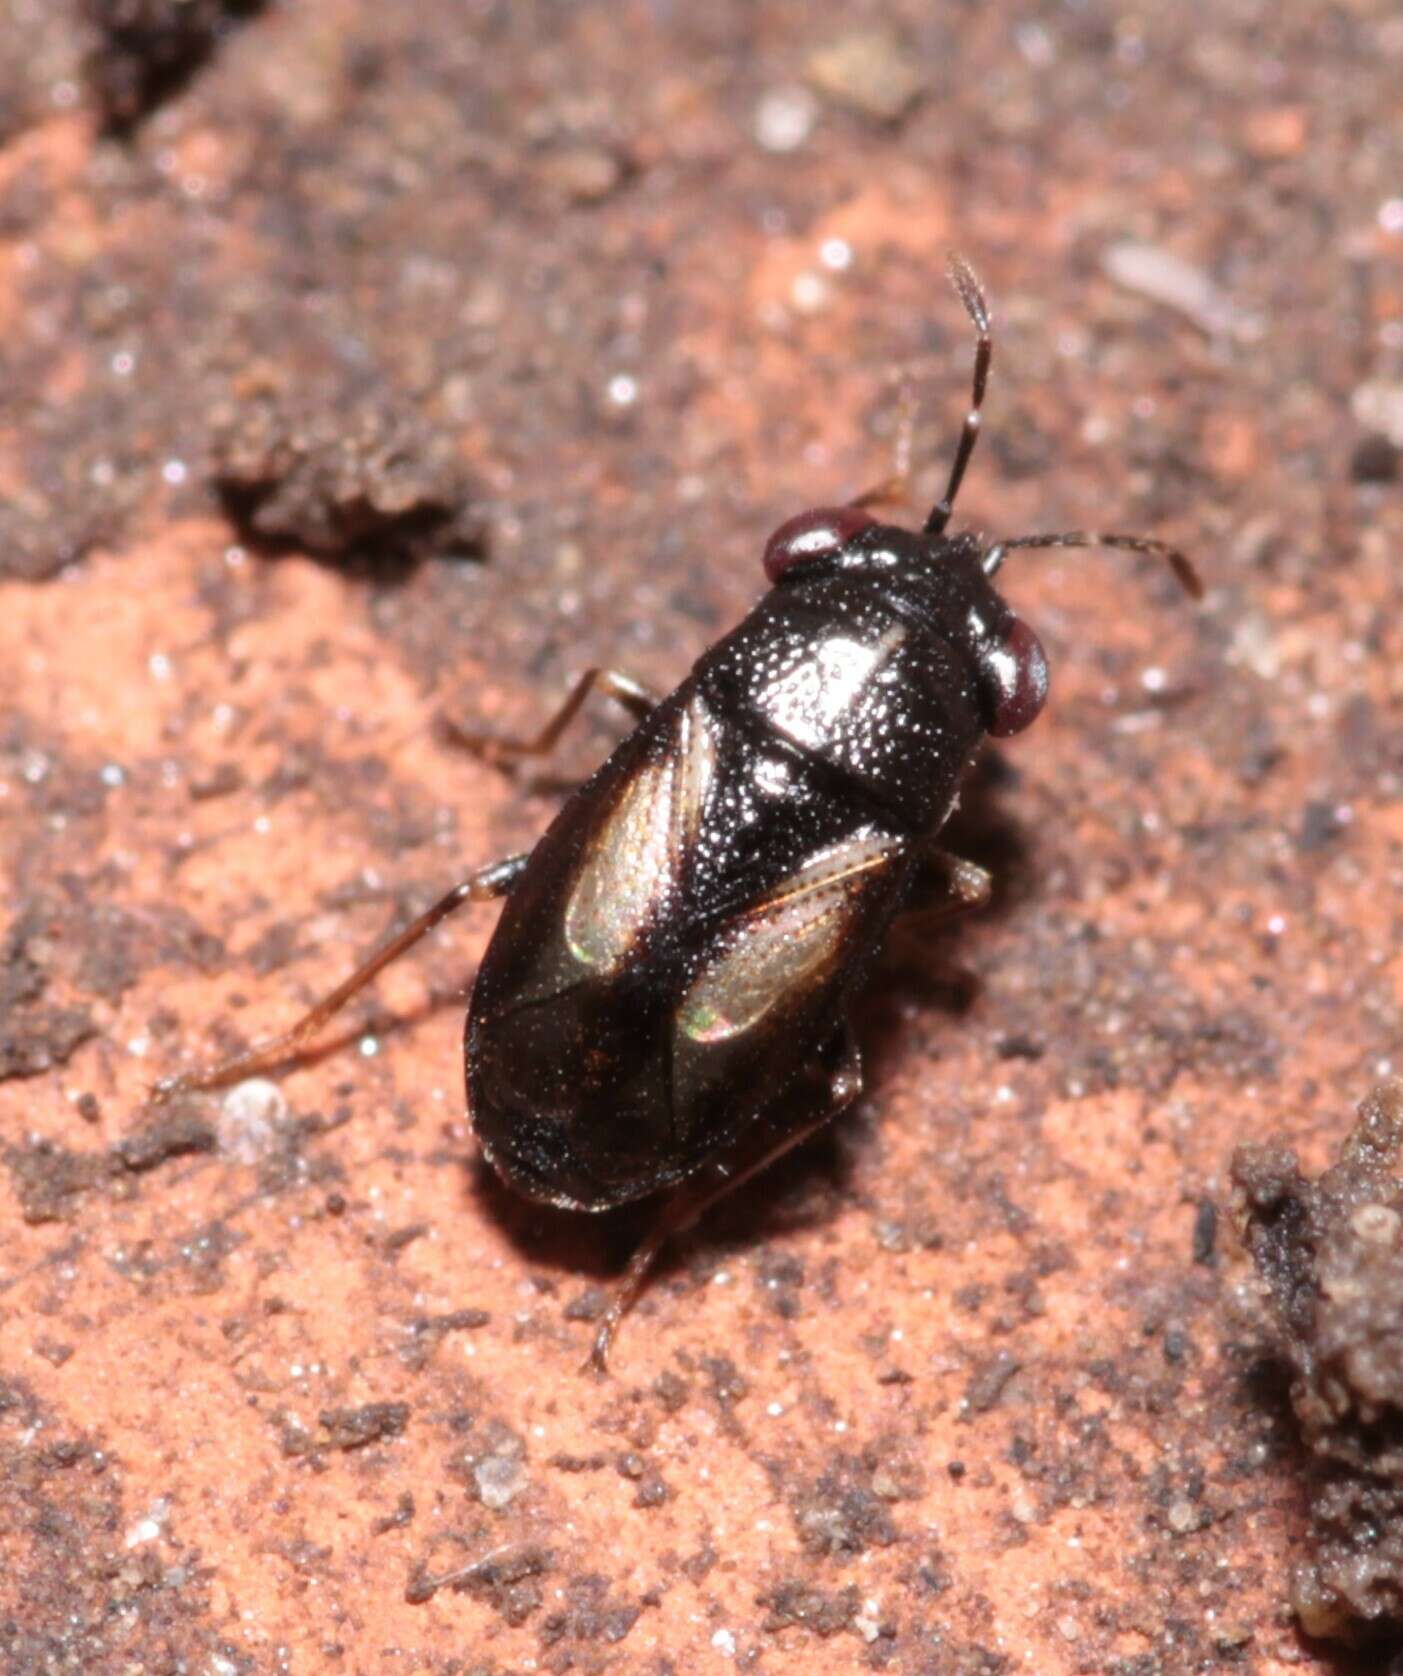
column 663, row 1007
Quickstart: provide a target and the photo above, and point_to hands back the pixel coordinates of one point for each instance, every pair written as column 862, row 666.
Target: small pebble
column 250, row 1116
column 784, row 118
column 1165, row 278
column 1378, row 1224
column 585, row 174
column 1183, row 1517
column 1378, row 406
column 500, row 1479
column 870, row 71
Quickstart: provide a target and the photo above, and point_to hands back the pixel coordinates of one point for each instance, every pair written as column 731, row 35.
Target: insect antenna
column 1184, row 572
column 961, row 276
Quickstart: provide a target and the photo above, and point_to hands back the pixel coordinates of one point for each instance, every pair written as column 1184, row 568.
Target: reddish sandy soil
column 407, row 359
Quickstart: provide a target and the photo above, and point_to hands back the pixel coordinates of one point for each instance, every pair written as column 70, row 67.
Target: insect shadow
column 355, row 539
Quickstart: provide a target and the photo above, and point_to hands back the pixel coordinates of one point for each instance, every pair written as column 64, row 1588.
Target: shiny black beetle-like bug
column 663, row 1006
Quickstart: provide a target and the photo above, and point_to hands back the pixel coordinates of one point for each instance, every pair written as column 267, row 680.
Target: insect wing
column 609, row 871
column 635, row 859
column 773, row 978
column 568, row 1029
column 774, row 954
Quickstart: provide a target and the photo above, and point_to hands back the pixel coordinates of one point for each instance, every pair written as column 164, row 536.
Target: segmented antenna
column 971, row 294
column 1184, row 572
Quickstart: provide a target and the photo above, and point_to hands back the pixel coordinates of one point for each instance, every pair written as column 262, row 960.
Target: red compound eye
column 813, row 535
column 1014, row 670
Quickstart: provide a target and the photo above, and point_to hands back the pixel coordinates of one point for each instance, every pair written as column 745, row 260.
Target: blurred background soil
column 362, row 362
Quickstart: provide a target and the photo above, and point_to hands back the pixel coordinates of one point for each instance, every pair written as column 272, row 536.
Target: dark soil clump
column 1331, row 1255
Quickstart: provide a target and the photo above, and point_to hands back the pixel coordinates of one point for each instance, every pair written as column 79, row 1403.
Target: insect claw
column 596, row 1363
column 166, row 1089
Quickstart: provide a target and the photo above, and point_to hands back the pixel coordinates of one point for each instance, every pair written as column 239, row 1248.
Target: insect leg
column 897, row 486
column 896, row 489
column 483, row 885
column 839, row 1077
column 633, row 695
column 947, row 886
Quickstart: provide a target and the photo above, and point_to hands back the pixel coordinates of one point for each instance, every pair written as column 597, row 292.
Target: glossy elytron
column 663, row 1005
